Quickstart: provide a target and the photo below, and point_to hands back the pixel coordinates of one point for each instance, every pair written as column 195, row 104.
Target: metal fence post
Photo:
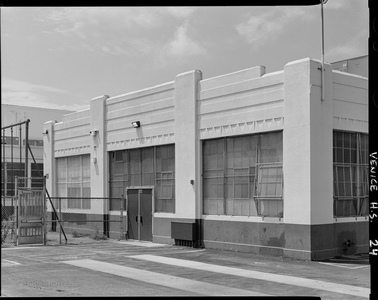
column 121, row 220
column 44, row 211
column 60, row 219
column 17, row 208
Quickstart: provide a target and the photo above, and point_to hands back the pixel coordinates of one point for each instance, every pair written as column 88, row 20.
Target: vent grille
column 184, row 243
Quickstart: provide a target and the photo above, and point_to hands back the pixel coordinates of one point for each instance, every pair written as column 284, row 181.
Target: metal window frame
column 67, row 181
column 127, row 181
column 359, row 181
column 255, row 177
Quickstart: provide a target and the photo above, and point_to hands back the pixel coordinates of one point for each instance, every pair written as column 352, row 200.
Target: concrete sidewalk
column 59, row 271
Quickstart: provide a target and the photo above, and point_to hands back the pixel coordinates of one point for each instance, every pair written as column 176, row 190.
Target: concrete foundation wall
column 307, row 242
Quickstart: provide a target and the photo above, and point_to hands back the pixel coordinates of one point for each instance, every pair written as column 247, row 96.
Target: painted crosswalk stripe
column 141, row 244
column 346, row 266
column 283, row 279
column 5, row 263
column 174, row 282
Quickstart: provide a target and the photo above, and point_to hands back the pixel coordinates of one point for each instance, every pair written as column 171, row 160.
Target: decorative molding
column 348, row 124
column 72, row 151
column 140, row 142
column 243, row 128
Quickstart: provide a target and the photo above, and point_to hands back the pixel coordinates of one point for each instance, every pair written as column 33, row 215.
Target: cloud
column 74, row 20
column 335, row 4
column 343, row 52
column 131, row 31
column 261, row 28
column 18, row 85
column 357, row 46
column 183, row 45
column 180, row 12
column 18, row 92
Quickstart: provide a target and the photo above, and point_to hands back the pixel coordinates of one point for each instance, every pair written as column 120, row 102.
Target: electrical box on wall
column 185, row 231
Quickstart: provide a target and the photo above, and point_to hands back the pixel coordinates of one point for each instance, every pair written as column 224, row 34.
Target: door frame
column 145, row 187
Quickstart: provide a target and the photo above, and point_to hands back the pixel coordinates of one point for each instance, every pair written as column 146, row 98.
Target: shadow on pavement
column 355, row 259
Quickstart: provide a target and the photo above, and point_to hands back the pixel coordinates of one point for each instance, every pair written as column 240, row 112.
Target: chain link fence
column 84, row 220
column 72, row 220
column 8, row 221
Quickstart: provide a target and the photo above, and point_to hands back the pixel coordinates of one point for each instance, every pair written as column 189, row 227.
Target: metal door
column 30, row 217
column 145, row 209
column 132, row 214
column 139, row 211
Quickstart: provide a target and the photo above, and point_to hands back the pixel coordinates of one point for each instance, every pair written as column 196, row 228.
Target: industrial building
column 356, row 65
column 248, row 161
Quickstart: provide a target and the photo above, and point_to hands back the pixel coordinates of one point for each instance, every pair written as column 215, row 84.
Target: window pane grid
column 231, row 175
column 350, row 174
column 145, row 166
column 73, row 181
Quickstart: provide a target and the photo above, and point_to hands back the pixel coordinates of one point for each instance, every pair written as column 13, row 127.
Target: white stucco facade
column 189, row 110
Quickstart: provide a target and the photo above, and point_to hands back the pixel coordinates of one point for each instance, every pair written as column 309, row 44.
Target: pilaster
column 307, row 144
column 49, row 157
column 99, row 156
column 187, row 151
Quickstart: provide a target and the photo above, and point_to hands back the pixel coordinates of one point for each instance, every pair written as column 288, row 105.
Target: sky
column 62, row 57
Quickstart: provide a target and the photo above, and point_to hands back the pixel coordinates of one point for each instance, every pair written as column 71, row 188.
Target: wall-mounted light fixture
column 135, row 124
column 45, row 132
column 93, row 132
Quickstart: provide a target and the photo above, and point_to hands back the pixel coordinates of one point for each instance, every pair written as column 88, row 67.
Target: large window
column 144, row 166
column 242, row 176
column 74, row 180
column 350, row 174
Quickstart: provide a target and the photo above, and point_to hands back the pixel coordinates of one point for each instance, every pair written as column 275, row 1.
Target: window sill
column 116, row 212
column 164, row 215
column 156, row 214
column 350, row 219
column 256, row 219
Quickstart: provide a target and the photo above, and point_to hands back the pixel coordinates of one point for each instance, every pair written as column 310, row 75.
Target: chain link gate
column 14, row 162
column 31, row 210
column 23, row 216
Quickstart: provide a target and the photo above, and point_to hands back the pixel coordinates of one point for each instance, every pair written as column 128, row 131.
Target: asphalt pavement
column 128, row 268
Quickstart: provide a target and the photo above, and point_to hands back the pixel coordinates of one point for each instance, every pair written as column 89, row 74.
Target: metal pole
column 121, row 219
column 17, row 212
column 139, row 192
column 15, row 124
column 127, row 216
column 20, row 142
column 322, row 52
column 3, row 165
column 60, row 218
column 44, row 212
column 12, row 175
column 26, row 148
